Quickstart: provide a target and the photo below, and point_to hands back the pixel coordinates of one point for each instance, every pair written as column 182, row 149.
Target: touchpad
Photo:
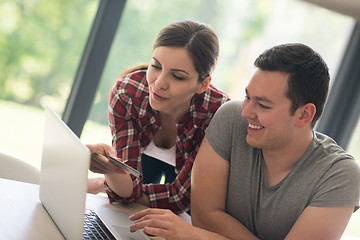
column 127, row 235
column 114, row 217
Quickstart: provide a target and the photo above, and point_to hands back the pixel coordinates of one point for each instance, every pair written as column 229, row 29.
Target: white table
column 23, row 217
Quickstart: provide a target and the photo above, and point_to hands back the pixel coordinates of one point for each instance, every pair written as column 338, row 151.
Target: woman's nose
column 161, row 81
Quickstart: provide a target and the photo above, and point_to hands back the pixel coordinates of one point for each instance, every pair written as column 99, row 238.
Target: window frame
column 342, row 110
column 341, row 113
column 92, row 64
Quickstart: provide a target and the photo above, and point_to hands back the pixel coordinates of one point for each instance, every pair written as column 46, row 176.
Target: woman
column 160, row 114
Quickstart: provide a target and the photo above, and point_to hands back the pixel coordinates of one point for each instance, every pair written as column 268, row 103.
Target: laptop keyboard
column 94, row 228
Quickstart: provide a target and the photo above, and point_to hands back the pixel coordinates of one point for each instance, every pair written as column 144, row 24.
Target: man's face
column 267, row 109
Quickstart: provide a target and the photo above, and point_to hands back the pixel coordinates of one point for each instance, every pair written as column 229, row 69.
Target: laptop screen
column 64, row 174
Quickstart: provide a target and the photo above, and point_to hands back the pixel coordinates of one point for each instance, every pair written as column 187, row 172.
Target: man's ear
column 305, row 114
column 204, row 85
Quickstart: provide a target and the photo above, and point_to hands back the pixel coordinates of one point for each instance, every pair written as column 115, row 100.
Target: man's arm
column 208, row 195
column 208, row 199
column 322, row 223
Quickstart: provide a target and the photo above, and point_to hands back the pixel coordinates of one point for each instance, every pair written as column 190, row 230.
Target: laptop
column 63, row 186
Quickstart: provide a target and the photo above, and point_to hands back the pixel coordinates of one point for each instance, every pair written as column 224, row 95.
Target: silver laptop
column 63, row 184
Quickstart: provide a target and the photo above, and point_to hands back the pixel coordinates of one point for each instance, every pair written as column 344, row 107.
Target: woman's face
column 173, row 80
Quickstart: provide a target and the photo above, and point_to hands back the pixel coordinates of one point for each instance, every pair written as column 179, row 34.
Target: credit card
column 131, row 170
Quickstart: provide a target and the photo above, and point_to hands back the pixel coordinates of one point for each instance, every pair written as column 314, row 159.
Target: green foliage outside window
column 41, row 42
column 40, row 46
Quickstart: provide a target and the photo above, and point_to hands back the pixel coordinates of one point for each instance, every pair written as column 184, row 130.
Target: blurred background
column 42, row 43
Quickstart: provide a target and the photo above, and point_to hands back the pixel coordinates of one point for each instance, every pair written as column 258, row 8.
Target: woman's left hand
column 163, row 223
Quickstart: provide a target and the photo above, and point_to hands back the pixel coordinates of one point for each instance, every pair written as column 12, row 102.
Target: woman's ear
column 204, row 85
column 305, row 114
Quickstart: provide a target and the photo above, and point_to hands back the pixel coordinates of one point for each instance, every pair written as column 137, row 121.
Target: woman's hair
column 200, row 41
column 137, row 67
column 308, row 74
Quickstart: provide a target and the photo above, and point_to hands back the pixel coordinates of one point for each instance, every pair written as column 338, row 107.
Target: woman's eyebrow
column 173, row 69
column 179, row 70
column 156, row 60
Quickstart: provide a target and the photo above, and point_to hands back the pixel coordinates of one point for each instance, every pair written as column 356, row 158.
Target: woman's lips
column 158, row 97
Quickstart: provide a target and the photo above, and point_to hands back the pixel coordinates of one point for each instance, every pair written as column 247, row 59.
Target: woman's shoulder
column 130, row 93
column 133, row 79
column 134, row 84
column 211, row 99
column 217, row 94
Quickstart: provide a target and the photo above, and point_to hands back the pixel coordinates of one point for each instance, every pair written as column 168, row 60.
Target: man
column 262, row 172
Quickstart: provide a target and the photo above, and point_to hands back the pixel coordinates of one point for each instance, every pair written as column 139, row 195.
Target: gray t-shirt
column 324, row 176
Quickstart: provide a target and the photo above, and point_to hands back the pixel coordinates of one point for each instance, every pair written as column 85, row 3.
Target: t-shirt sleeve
column 221, row 128
column 339, row 186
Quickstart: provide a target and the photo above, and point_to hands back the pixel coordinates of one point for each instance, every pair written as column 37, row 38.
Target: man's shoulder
column 329, row 145
column 327, row 152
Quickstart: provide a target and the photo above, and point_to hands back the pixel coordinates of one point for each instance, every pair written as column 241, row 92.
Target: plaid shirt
column 134, row 123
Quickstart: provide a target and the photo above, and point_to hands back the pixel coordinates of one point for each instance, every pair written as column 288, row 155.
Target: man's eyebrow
column 258, row 98
column 173, row 69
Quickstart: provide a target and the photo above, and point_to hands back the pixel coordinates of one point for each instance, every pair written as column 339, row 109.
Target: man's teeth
column 255, row 126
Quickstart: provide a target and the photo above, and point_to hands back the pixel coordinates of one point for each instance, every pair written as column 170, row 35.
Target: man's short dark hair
column 308, row 74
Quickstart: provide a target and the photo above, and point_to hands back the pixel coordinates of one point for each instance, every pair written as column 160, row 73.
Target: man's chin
column 252, row 142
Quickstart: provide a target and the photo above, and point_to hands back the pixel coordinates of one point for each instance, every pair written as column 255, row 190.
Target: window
column 41, row 44
column 354, row 149
column 245, row 29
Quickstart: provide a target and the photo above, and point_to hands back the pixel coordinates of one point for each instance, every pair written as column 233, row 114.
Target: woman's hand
column 163, row 223
column 99, row 162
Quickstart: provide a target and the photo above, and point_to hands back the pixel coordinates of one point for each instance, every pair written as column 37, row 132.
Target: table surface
column 24, row 217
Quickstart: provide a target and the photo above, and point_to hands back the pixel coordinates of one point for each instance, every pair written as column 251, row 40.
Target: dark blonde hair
column 137, row 67
column 199, row 39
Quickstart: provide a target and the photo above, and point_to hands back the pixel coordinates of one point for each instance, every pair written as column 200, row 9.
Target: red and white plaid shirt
column 134, row 123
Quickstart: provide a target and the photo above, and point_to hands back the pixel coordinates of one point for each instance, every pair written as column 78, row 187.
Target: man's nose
column 248, row 110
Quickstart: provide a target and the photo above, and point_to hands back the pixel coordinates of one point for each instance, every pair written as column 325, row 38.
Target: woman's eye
column 154, row 66
column 177, row 77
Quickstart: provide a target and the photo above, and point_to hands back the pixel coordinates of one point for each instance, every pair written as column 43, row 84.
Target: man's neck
column 279, row 162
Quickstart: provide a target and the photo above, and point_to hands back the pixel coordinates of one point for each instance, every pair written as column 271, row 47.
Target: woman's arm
column 125, row 130
column 99, row 162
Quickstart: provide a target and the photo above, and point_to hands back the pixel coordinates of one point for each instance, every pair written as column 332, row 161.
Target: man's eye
column 263, row 106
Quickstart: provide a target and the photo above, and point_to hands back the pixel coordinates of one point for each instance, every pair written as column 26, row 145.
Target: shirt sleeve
column 339, row 185
column 223, row 126
column 122, row 122
column 176, row 195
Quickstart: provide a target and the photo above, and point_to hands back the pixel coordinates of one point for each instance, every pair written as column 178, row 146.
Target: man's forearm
column 224, row 224
column 202, row 234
